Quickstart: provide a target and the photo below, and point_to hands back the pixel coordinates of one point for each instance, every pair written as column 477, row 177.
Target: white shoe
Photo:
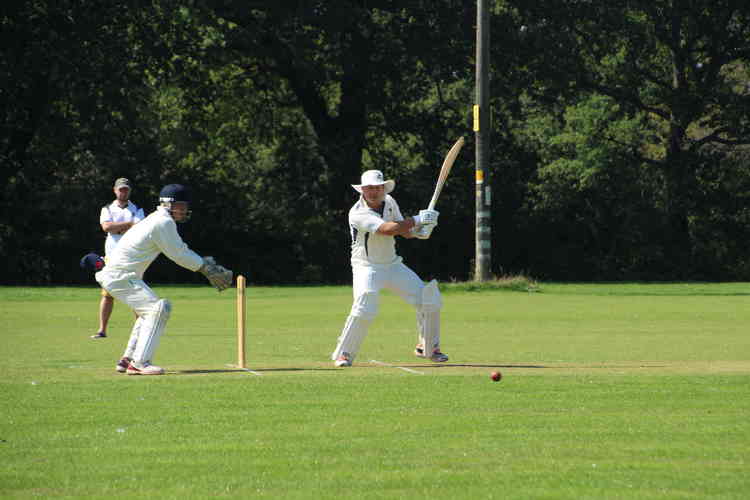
column 343, row 360
column 436, row 356
column 144, row 368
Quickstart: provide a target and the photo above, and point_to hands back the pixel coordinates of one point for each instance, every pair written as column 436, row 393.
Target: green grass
column 515, row 283
column 608, row 391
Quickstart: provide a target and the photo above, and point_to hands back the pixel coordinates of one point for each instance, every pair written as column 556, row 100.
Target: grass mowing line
column 380, row 363
column 246, row 370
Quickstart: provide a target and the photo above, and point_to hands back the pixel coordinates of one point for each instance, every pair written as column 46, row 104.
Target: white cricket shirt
column 368, row 247
column 113, row 213
column 143, row 242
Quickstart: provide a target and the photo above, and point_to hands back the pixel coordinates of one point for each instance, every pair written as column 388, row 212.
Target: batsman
column 122, row 276
column 375, row 220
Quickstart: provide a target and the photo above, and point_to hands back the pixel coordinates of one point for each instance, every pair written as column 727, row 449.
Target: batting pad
column 151, row 330
column 133, row 341
column 428, row 317
column 355, row 330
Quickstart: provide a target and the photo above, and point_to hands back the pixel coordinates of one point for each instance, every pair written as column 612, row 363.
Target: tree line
column 619, row 145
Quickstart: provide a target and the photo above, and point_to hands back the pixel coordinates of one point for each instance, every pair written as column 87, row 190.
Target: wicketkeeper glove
column 219, row 276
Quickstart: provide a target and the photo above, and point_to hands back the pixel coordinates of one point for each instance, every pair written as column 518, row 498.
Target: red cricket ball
column 496, row 376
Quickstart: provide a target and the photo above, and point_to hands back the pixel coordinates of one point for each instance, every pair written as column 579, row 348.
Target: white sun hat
column 374, row 178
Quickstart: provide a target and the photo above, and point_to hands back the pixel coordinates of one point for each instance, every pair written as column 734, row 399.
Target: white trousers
column 397, row 278
column 152, row 312
column 366, row 285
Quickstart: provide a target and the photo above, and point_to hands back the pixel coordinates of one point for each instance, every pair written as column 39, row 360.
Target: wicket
column 241, row 316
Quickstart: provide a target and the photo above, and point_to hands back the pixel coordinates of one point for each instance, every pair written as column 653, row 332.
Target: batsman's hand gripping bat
column 445, row 170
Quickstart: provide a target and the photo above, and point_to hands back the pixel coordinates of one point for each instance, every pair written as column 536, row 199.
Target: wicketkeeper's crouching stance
column 122, row 276
column 374, row 222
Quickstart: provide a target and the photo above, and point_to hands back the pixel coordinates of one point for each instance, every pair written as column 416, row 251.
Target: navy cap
column 92, row 262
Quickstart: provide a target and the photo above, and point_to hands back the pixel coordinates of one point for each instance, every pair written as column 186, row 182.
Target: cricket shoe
column 343, row 360
column 99, row 335
column 437, row 356
column 145, row 368
column 122, row 365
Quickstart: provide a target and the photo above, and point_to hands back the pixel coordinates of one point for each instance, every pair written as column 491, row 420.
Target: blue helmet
column 172, row 193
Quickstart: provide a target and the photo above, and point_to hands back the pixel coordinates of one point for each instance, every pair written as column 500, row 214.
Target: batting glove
column 428, row 217
column 423, row 232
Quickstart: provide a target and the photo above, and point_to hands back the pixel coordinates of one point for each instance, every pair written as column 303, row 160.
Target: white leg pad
column 130, row 349
column 428, row 317
column 154, row 323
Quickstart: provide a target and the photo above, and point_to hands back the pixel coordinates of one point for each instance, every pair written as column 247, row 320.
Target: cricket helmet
column 172, row 193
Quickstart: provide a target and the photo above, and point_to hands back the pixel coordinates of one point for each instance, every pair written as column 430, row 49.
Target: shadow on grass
column 455, row 365
column 443, row 365
column 240, row 370
column 446, row 365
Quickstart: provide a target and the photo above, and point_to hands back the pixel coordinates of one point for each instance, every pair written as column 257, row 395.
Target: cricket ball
column 496, row 376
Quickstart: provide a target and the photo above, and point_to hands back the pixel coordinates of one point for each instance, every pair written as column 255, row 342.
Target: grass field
column 608, row 391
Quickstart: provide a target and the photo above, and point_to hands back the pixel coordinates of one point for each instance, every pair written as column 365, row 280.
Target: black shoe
column 100, row 335
column 122, row 365
column 437, row 356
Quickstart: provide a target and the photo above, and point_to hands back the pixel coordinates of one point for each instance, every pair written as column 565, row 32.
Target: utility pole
column 483, row 252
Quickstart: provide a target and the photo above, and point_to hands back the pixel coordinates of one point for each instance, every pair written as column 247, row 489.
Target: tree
column 681, row 64
column 375, row 83
column 75, row 74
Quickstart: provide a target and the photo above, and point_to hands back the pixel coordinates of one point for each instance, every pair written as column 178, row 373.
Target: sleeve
column 169, row 242
column 365, row 220
column 105, row 215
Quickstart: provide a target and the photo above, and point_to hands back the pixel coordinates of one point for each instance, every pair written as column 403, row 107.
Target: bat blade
column 445, row 170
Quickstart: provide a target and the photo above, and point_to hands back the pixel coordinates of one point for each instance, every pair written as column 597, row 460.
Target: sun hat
column 374, row 178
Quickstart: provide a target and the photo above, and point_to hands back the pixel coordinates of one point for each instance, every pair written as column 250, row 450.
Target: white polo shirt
column 368, row 247
column 113, row 213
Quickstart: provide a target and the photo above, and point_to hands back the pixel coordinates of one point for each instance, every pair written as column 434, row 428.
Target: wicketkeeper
column 122, row 276
column 374, row 221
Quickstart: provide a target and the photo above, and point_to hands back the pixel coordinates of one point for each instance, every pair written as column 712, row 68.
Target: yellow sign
column 480, row 176
column 476, row 118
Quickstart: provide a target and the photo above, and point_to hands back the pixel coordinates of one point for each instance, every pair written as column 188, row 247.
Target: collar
column 364, row 204
column 163, row 210
column 129, row 205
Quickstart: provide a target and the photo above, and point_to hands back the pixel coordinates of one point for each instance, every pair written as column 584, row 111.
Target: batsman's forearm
column 399, row 228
